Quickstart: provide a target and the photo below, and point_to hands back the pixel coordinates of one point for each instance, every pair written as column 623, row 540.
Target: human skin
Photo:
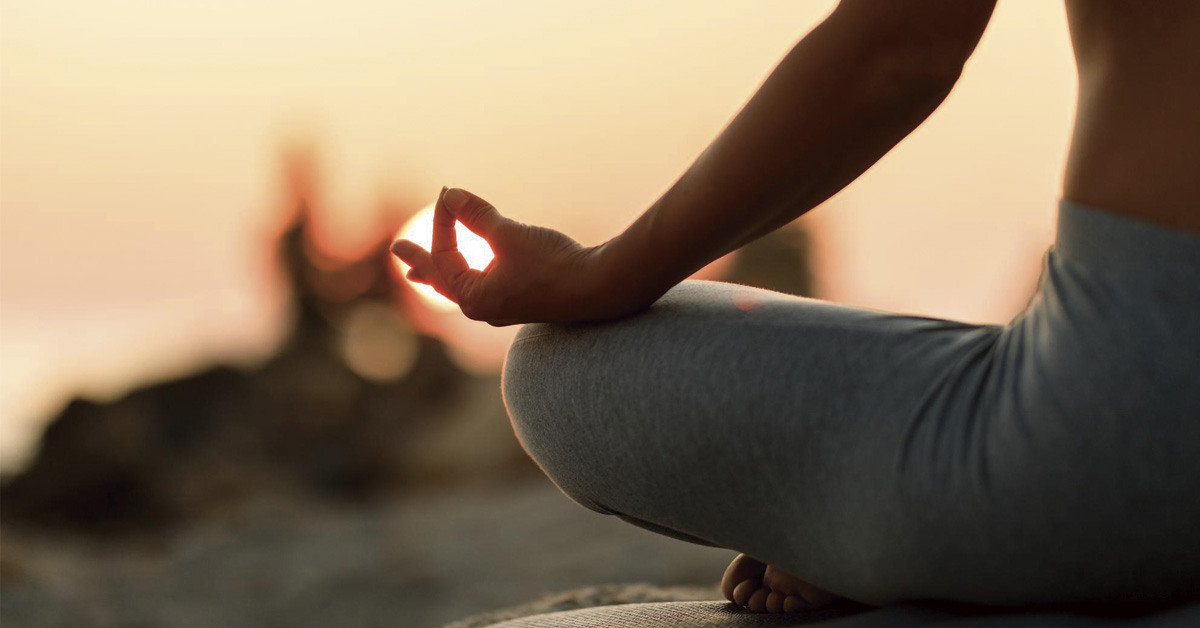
column 1136, row 144
column 847, row 93
column 841, row 99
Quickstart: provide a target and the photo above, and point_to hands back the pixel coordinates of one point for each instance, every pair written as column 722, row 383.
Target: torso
column 1136, row 144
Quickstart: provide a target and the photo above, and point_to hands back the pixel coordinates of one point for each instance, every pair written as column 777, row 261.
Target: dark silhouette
column 304, row 422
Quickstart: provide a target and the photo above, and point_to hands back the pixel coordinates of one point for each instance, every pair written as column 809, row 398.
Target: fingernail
column 396, row 246
column 453, row 198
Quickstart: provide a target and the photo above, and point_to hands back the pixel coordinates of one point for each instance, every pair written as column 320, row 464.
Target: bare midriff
column 1136, row 144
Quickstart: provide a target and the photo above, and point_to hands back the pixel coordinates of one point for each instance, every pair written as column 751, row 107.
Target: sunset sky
column 140, row 145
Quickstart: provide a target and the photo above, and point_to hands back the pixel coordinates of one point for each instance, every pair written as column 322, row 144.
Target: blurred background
column 220, row 404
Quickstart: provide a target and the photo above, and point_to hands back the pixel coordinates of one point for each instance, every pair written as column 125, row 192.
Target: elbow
column 923, row 42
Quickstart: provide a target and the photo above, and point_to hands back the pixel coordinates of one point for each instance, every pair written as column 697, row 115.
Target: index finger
column 444, row 238
column 474, row 213
column 450, row 264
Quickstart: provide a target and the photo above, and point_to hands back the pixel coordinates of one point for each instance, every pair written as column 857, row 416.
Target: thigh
column 779, row 426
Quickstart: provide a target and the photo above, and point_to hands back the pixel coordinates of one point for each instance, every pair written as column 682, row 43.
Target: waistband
column 1099, row 237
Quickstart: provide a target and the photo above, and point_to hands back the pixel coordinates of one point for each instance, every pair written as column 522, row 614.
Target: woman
column 865, row 454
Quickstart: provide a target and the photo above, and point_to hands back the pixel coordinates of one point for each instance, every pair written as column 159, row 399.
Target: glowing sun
column 419, row 229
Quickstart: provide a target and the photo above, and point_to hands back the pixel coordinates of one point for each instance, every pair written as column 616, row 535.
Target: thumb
column 477, row 214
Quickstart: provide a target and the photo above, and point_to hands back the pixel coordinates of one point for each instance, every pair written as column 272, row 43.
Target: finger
column 447, row 259
column 444, row 238
column 409, row 252
column 477, row 214
column 418, row 259
column 415, row 276
column 420, row 262
column 436, row 283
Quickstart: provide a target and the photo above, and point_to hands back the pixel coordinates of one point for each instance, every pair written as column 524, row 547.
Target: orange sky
column 139, row 144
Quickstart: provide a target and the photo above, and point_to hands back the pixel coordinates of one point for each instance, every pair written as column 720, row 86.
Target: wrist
column 624, row 273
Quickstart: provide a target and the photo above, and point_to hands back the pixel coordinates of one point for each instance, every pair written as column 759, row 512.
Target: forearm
column 833, row 107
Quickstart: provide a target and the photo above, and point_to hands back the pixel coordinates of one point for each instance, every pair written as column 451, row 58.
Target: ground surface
column 422, row 561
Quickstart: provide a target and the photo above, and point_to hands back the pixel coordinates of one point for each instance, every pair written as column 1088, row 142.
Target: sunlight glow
column 419, row 229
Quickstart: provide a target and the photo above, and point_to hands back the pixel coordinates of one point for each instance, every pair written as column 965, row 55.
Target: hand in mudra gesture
column 537, row 274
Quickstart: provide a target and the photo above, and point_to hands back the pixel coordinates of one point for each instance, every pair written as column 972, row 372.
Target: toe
column 779, row 580
column 739, row 570
column 743, row 591
column 795, row 604
column 758, row 601
column 775, row 602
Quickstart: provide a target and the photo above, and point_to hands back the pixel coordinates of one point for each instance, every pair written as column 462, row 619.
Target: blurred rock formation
column 314, row 419
column 354, row 404
column 778, row 261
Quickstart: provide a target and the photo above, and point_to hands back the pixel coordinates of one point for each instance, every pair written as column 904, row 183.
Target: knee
column 524, row 384
column 557, row 379
column 541, row 386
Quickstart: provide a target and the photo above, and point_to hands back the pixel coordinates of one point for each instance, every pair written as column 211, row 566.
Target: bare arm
column 842, row 98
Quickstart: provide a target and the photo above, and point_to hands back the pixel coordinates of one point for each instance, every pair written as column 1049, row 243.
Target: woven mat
column 706, row 601
column 667, row 615
column 721, row 614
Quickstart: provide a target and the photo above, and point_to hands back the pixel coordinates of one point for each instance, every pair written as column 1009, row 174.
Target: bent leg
column 887, row 457
column 775, row 425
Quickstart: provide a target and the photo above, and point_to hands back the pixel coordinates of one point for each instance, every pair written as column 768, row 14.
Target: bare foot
column 764, row 588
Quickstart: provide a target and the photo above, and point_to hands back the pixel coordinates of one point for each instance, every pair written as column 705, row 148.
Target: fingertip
column 399, row 247
column 455, row 199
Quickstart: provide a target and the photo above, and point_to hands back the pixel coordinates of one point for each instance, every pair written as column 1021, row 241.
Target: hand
column 537, row 274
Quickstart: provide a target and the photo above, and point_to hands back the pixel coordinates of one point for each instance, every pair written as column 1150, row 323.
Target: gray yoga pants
column 887, row 457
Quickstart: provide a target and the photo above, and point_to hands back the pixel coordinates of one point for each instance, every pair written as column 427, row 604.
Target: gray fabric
column 725, row 615
column 890, row 457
